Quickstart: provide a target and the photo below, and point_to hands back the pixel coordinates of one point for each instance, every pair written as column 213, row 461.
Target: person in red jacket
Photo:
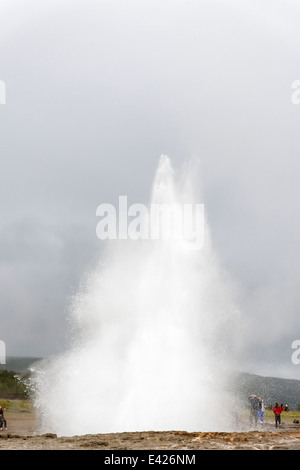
column 277, row 410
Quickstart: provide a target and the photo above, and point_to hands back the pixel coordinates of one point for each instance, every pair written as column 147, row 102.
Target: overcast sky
column 96, row 91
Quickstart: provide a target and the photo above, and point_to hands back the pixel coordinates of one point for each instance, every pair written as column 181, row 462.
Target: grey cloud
column 96, row 91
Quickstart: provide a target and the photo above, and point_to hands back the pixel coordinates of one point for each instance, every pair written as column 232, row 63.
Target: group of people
column 2, row 420
column 257, row 409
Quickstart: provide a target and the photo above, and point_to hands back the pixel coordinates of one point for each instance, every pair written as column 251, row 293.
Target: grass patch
column 17, row 405
column 11, row 385
column 286, row 416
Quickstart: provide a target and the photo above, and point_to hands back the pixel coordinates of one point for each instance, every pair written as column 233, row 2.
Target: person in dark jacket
column 2, row 419
column 254, row 407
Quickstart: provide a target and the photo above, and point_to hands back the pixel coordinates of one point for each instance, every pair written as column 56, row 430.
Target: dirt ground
column 23, row 425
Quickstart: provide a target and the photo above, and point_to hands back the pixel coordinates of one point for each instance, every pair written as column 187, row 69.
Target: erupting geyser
column 150, row 350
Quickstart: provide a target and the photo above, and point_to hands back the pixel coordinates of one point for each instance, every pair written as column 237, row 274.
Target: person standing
column 261, row 410
column 2, row 419
column 253, row 402
column 277, row 410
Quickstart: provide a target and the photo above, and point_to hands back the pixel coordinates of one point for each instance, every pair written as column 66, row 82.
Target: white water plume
column 152, row 327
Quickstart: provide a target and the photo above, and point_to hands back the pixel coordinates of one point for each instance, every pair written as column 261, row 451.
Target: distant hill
column 271, row 389
column 10, row 386
column 18, row 364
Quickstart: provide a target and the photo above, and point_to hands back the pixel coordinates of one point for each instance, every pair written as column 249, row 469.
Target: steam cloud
column 151, row 329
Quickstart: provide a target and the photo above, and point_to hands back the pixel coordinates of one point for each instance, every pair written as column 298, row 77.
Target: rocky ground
column 169, row 440
column 22, row 434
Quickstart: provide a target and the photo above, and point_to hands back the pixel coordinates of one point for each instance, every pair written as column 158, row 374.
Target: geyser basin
column 153, row 324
